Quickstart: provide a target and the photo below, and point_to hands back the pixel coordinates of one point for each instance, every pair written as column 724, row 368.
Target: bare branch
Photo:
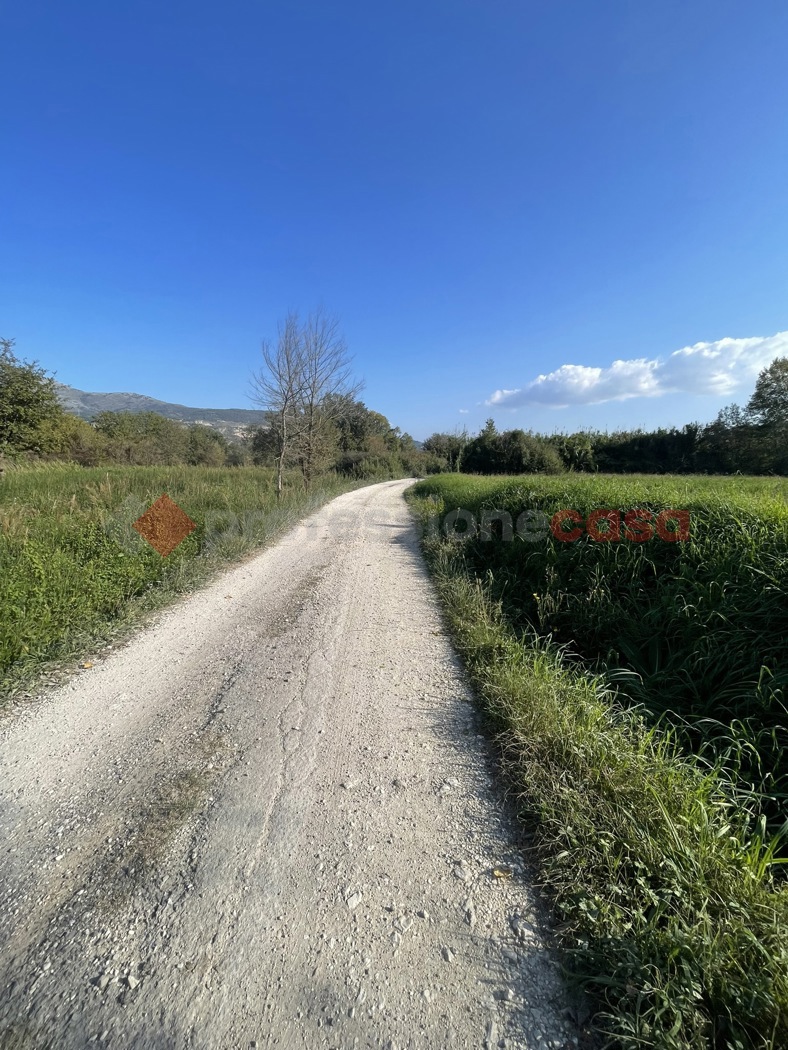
column 304, row 382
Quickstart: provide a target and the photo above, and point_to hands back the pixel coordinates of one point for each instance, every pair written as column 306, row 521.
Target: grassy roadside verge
column 695, row 631
column 76, row 576
column 671, row 919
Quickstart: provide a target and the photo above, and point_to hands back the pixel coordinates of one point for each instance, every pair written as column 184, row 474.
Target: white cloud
column 706, row 368
column 464, row 411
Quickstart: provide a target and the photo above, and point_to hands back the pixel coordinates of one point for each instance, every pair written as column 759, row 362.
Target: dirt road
column 268, row 820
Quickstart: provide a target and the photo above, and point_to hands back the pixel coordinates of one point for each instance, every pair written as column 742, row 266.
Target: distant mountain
column 228, row 421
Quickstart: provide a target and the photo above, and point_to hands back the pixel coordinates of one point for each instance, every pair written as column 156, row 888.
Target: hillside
column 229, row 421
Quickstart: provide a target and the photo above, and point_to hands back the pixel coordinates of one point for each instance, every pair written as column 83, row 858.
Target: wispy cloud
column 464, row 411
column 706, row 368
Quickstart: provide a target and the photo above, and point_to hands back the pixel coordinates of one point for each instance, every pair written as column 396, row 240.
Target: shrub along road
column 269, row 820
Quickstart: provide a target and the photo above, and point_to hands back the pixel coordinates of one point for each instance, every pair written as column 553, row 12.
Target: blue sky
column 483, row 191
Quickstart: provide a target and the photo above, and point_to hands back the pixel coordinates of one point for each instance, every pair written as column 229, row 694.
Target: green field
column 74, row 571
column 639, row 692
column 695, row 631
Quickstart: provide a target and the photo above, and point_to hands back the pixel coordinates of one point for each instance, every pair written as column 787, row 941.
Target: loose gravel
column 271, row 820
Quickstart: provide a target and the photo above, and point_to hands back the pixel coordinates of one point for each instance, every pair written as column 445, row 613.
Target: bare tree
column 328, row 383
column 278, row 387
column 305, row 380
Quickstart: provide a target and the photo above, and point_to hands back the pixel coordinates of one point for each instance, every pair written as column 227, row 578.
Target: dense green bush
column 29, row 406
column 510, row 452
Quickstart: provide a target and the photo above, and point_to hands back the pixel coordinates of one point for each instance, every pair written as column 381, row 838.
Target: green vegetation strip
column 695, row 631
column 76, row 574
column 662, row 880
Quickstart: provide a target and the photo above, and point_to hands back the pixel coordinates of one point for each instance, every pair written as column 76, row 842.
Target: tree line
column 752, row 439
column 329, row 430
column 34, row 424
column 316, row 424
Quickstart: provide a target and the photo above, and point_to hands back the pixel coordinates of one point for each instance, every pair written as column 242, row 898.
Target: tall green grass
column 696, row 631
column 73, row 570
column 660, row 864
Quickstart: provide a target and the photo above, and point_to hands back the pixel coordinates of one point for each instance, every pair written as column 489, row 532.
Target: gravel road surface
column 269, row 820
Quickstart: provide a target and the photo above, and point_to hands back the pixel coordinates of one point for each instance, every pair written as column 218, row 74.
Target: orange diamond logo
column 164, row 525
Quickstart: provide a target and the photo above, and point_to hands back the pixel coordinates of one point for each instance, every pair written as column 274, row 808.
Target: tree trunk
column 310, row 451
column 281, row 462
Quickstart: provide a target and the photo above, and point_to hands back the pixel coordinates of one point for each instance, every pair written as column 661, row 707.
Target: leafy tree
column 264, row 446
column 481, row 455
column 361, row 429
column 650, row 452
column 769, row 402
column 28, row 403
column 518, row 452
column 728, row 444
column 366, row 443
column 417, row 462
column 576, row 450
column 207, row 447
column 143, row 438
column 69, row 437
column 238, row 454
column 350, row 421
column 448, row 447
column 377, row 426
column 768, row 409
column 511, row 452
